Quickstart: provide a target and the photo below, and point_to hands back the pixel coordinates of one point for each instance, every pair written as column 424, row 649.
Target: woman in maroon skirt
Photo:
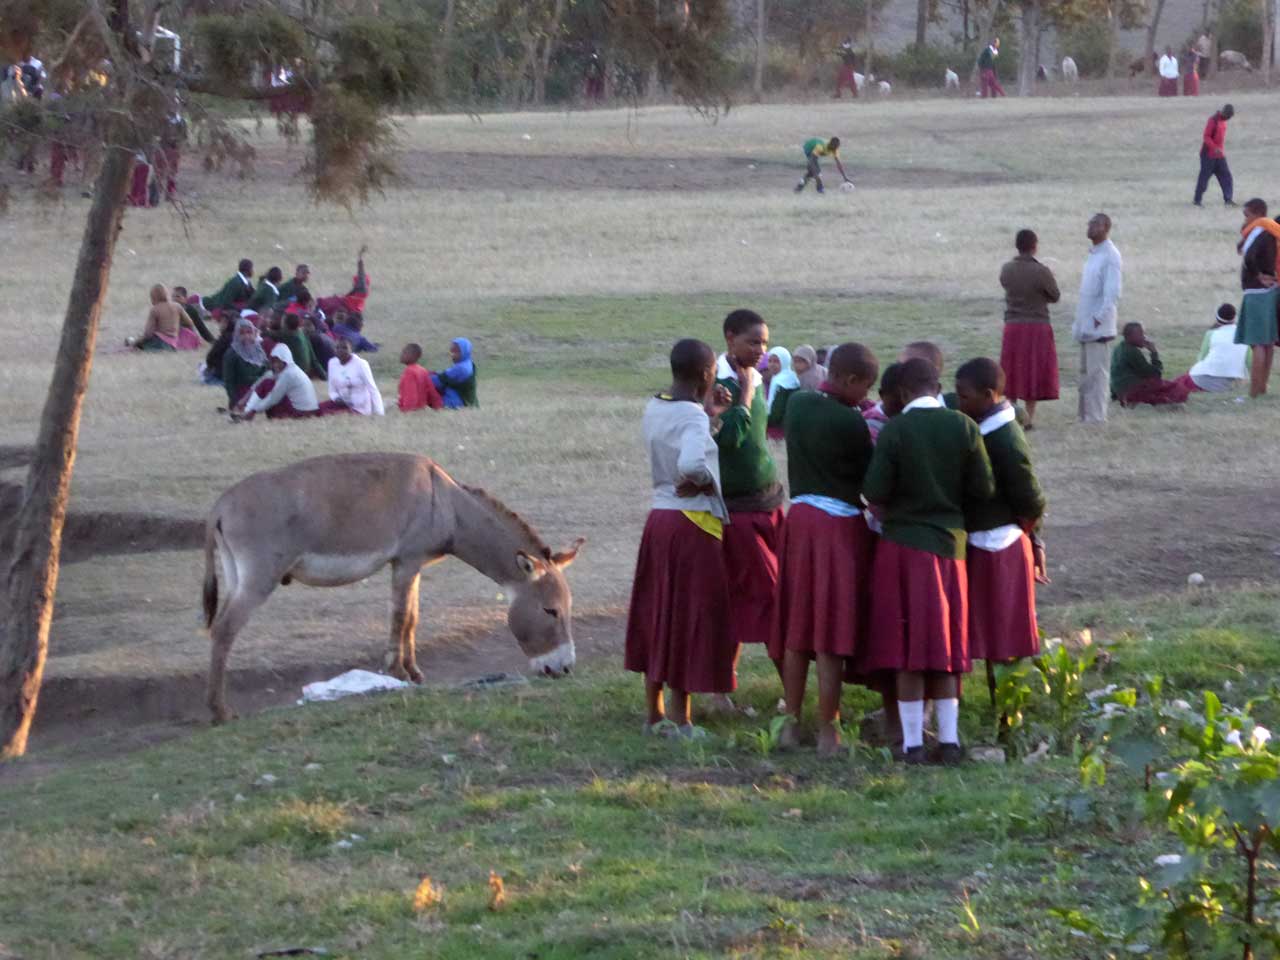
column 1004, row 564
column 825, row 560
column 1028, row 354
column 678, row 626
column 929, row 465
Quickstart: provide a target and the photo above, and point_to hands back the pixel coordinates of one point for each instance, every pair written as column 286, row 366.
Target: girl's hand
column 1040, row 564
column 719, row 401
column 687, row 488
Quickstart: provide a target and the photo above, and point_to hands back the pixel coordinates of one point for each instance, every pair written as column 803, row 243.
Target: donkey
column 292, row 524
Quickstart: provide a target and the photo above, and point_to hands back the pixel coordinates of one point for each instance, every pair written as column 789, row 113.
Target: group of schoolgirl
column 909, row 550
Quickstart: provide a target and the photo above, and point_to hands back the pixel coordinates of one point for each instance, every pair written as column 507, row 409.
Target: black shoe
column 913, row 757
column 1196, row 203
column 1230, row 203
column 948, row 755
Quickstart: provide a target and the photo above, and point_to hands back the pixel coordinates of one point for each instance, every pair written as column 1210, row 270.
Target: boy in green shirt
column 1135, row 379
column 749, row 480
column 825, row 560
column 1005, row 559
column 929, row 463
column 814, row 148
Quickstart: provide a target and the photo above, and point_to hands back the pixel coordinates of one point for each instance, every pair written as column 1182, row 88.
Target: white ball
column 1196, row 579
column 846, row 187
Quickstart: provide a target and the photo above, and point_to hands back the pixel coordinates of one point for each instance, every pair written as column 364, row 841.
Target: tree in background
column 348, row 64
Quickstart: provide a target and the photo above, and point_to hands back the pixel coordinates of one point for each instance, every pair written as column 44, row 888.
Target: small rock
column 313, row 768
column 266, row 780
column 795, row 813
column 1195, row 580
column 526, row 136
column 987, row 754
column 238, row 798
column 342, row 845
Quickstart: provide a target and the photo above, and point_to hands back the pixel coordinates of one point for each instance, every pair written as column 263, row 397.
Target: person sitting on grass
column 351, row 326
column 354, row 301
column 457, row 385
column 284, row 395
column 164, row 329
column 813, row 149
column 783, row 382
column 196, row 316
column 291, row 288
column 351, row 384
column 1136, row 379
column 268, row 291
column 417, row 392
column 1222, row 363
column 244, row 362
column 236, row 292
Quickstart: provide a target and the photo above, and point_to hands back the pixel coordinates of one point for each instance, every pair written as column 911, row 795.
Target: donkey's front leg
column 405, row 577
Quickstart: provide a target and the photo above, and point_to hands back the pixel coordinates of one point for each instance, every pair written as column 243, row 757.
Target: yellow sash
column 705, row 520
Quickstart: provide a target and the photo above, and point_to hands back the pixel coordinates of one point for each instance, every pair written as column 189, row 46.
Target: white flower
column 1234, row 739
column 1168, row 860
column 1260, row 735
column 1165, row 777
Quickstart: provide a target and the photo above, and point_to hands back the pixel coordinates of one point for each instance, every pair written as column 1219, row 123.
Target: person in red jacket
column 1213, row 156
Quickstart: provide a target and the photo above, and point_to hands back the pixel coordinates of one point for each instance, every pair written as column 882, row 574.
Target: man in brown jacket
column 1028, row 354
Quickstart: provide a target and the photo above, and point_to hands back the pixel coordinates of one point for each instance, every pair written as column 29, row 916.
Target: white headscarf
column 784, row 379
column 281, row 352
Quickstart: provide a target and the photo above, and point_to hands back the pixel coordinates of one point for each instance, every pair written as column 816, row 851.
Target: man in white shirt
column 1095, row 325
column 1168, row 74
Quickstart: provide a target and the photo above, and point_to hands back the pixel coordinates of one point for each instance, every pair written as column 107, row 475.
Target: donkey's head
column 542, row 609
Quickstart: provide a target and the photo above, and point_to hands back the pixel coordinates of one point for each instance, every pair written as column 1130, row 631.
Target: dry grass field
column 573, row 248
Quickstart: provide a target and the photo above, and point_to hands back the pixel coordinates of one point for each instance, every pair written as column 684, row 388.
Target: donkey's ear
column 531, row 567
column 566, row 557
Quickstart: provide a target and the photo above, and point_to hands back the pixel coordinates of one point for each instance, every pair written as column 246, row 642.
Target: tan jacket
column 1029, row 288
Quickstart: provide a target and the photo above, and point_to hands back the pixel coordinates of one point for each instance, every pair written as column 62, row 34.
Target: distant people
column 351, row 383
column 172, row 137
column 457, row 384
column 593, row 78
column 290, row 333
column 804, row 361
column 814, row 148
column 990, row 83
column 140, row 182
column 844, row 76
column 297, row 283
column 236, row 292
column 1191, row 76
column 351, row 326
column 286, row 394
column 243, row 363
column 1168, row 68
column 354, row 300
column 268, row 292
column 1222, row 363
column 417, row 392
column 783, row 382
column 167, row 326
column 1257, row 327
column 212, row 373
column 1137, row 378
column 1213, row 156
column 1028, row 354
column 195, row 313
column 1096, row 313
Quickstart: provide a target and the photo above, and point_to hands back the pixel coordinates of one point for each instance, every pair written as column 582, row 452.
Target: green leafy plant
column 766, row 739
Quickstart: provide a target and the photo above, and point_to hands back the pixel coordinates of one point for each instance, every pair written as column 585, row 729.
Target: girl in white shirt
column 1223, row 363
column 351, row 384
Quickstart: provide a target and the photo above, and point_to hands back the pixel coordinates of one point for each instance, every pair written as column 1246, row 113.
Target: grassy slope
column 610, row 845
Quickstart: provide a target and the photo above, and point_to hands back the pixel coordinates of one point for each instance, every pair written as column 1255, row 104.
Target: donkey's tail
column 212, row 530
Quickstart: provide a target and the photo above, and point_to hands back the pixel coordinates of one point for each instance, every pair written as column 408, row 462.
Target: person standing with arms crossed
column 1213, row 156
column 1095, row 325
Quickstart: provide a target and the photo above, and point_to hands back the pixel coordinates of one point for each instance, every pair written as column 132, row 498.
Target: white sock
column 911, row 712
column 948, row 720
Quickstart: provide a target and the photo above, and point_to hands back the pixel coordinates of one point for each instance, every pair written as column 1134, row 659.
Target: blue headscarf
column 464, row 369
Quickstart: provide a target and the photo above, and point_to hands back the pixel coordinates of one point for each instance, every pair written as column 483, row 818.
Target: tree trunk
column 1113, row 41
column 1268, row 39
column 442, row 52
column 757, row 83
column 1215, row 47
column 871, row 38
column 542, row 64
column 1027, row 44
column 1149, row 50
column 655, row 79
column 922, row 21
column 37, row 543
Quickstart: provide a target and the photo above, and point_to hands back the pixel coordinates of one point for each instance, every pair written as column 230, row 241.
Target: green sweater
column 300, row 347
column 233, row 291
column 291, row 288
column 746, row 466
column 928, row 464
column 1018, row 495
column 263, row 297
column 466, row 389
column 778, row 412
column 828, row 447
column 1130, row 366
column 238, row 374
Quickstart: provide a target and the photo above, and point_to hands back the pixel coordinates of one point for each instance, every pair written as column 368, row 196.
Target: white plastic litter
column 349, row 684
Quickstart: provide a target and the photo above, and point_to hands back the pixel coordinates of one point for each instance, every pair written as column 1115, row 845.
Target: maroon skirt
column 751, row 559
column 1168, row 87
column 678, row 627
column 1002, row 602
column 1030, row 362
column 919, row 613
column 824, row 573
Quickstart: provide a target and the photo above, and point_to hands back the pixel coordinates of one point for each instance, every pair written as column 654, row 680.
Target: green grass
column 609, row 844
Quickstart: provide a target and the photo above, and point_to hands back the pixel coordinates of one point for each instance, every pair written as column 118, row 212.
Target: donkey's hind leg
column 229, row 622
column 402, row 660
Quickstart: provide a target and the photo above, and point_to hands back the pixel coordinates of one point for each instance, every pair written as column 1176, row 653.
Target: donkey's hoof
column 398, row 671
column 415, row 674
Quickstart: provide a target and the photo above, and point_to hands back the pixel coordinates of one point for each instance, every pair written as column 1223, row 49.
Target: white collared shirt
column 274, row 288
column 924, row 403
column 352, row 383
column 247, row 281
column 726, row 372
column 1169, row 67
column 1000, row 538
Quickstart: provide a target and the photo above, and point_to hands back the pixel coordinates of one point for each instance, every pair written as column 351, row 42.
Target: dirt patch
column 88, row 535
column 462, row 171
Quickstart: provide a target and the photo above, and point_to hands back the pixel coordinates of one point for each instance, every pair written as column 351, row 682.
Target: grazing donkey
column 294, row 524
